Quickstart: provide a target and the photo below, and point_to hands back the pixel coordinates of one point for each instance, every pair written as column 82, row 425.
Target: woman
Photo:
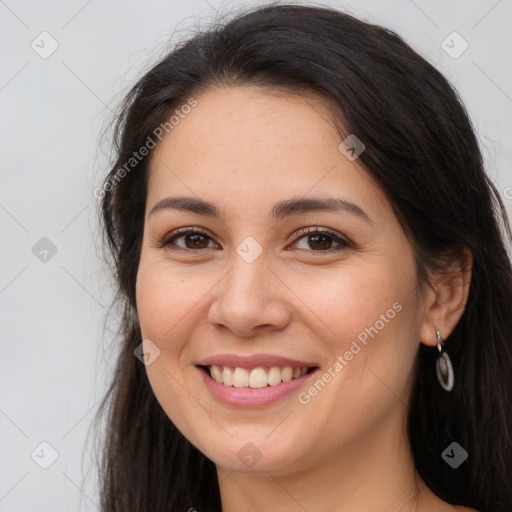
column 317, row 294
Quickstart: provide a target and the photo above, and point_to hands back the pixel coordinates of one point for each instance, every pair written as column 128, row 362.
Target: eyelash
column 181, row 232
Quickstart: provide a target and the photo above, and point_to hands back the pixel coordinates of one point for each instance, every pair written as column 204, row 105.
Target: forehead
column 245, row 145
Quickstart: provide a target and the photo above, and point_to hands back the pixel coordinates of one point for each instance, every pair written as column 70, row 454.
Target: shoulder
column 459, row 508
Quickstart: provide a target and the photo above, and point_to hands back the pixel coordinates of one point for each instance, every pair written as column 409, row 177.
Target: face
column 262, row 291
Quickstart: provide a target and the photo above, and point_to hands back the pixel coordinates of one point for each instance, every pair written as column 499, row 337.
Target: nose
column 250, row 299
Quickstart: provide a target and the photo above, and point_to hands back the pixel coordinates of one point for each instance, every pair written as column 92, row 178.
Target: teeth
column 255, row 378
column 258, row 378
column 274, row 376
column 240, row 378
column 227, row 376
column 216, row 374
column 286, row 374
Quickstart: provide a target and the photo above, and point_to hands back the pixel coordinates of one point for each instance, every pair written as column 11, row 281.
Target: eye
column 321, row 239
column 193, row 239
column 318, row 239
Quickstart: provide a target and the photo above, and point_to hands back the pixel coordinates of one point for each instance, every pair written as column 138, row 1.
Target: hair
column 422, row 150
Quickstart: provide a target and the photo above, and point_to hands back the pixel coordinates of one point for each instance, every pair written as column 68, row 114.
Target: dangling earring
column 444, row 366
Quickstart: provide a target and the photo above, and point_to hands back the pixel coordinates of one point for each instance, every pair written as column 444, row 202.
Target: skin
column 244, row 149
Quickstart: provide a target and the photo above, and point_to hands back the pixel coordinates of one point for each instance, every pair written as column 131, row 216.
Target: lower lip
column 249, row 397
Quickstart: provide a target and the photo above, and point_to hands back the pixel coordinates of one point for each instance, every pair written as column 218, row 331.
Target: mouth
column 255, row 378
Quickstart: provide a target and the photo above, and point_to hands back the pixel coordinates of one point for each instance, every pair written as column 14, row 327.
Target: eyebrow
column 279, row 211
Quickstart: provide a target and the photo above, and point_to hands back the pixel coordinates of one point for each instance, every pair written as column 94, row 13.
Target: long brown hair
column 422, row 150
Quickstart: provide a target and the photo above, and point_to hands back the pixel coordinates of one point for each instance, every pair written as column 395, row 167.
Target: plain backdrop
column 56, row 357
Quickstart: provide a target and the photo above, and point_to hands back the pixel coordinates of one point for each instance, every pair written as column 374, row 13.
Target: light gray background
column 55, row 358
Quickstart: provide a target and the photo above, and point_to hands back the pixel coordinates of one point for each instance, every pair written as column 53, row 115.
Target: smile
column 256, row 377
column 248, row 387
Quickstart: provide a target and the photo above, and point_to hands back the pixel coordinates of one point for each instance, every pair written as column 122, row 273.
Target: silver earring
column 444, row 366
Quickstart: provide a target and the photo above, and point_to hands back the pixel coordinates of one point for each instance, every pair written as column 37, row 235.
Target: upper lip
column 254, row 361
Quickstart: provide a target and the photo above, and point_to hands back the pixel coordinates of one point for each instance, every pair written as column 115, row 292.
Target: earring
column 444, row 366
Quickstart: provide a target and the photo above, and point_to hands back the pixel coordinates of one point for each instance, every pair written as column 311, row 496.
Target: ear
column 446, row 298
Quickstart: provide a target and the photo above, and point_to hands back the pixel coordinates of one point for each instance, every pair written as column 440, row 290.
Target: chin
column 253, row 454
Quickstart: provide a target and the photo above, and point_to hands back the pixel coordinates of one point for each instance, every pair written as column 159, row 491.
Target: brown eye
column 316, row 240
column 192, row 239
column 321, row 240
column 196, row 240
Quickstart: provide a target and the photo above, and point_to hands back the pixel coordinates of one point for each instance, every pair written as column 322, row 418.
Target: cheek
column 345, row 301
column 368, row 328
column 162, row 299
column 367, row 315
column 165, row 303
